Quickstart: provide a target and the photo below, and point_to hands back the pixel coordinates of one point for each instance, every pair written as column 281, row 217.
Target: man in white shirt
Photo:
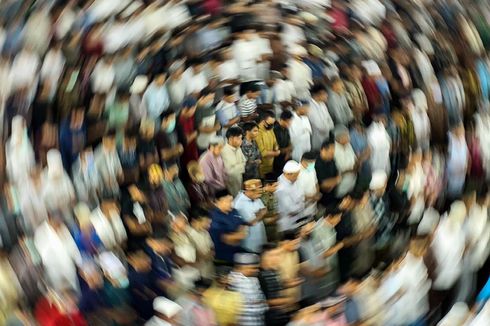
column 290, row 198
column 345, row 161
column 177, row 85
column 380, row 143
column 321, row 122
column 308, row 181
column 300, row 130
column 300, row 73
column 195, row 76
column 103, row 75
column 234, row 160
column 283, row 90
column 246, row 53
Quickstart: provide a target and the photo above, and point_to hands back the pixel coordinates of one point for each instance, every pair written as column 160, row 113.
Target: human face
column 216, row 149
column 333, row 220
column 338, row 86
column 254, row 133
column 179, row 224
column 292, row 177
column 236, row 141
column 249, row 270
column 253, row 95
column 160, row 79
column 327, row 153
column 269, row 123
column 109, row 142
column 255, row 193
column 303, row 110
column 270, row 187
column 206, row 100
column 291, row 245
column 168, row 121
column 229, row 98
column 272, row 258
column 171, row 172
column 224, row 204
column 322, row 96
column 344, row 139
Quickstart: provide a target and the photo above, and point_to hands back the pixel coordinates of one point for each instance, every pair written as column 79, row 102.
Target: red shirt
column 49, row 315
column 190, row 149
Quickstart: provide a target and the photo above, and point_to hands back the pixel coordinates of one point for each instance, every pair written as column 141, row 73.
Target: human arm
column 234, row 238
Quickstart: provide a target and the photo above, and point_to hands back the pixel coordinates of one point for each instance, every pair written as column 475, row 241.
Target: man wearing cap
column 290, row 197
column 243, row 279
column 300, row 130
column 234, row 160
column 345, row 160
column 167, row 313
column 213, row 166
column 252, row 210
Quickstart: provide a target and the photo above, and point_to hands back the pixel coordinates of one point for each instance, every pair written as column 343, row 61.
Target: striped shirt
column 254, row 304
column 247, row 106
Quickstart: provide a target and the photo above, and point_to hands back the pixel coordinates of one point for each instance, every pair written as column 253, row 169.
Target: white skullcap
column 378, row 180
column 291, row 167
column 166, row 307
column 457, row 211
column 372, row 68
column 82, row 212
column 429, row 221
column 298, row 50
column 139, row 84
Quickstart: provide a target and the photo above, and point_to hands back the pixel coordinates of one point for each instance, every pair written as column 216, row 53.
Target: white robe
column 19, row 154
column 380, row 143
column 300, row 132
column 321, row 123
column 246, row 53
column 301, row 76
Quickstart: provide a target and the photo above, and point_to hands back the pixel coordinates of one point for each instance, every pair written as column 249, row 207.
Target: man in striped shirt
column 248, row 102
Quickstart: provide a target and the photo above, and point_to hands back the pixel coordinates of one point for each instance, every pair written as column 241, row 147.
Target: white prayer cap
column 378, row 180
column 291, row 167
column 298, row 50
column 429, row 221
column 372, row 68
column 139, row 84
column 166, row 307
column 308, row 17
column 82, row 213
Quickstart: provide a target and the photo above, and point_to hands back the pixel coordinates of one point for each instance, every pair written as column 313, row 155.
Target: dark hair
column 252, row 88
column 206, row 91
column 268, row 247
column 289, row 235
column 221, row 193
column 110, row 133
column 328, row 142
column 269, row 178
column 286, row 115
column 317, row 88
column 228, row 90
column 248, row 126
column 203, row 283
column 264, row 115
column 234, row 132
column 166, row 114
column 198, row 213
column 309, row 156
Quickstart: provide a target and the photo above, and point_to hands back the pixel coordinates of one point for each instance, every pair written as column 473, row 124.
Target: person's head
column 229, row 94
column 206, row 97
column 291, row 171
column 378, row 182
column 122, row 95
column 195, row 172
column 130, row 138
column 201, row 285
column 342, row 135
column 251, row 130
column 290, row 241
column 109, row 140
column 301, row 107
column 200, row 219
column 333, row 218
column 307, row 230
column 253, row 91
column 380, row 118
column 253, row 188
column 337, row 85
column 155, row 175
column 285, row 119
column 319, row 93
column 77, row 116
column 139, row 85
column 327, row 150
column 216, row 146
column 247, row 264
column 168, row 121
column 179, row 223
column 176, row 69
column 197, row 65
column 270, row 183
column 234, row 135
column 189, row 107
column 458, row 130
column 171, row 171
column 223, row 201
column 139, row 261
column 160, row 78
column 147, row 129
column 308, row 161
column 267, row 119
column 271, row 256
column 160, row 243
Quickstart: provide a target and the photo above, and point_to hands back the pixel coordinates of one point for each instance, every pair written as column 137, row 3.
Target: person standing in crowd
column 290, row 198
column 188, row 131
column 327, row 174
column 251, row 151
column 175, row 193
column 252, row 210
column 166, row 312
column 345, row 161
column 156, row 98
column 227, row 111
column 457, row 162
column 300, row 130
column 267, row 143
column 281, row 131
column 167, row 142
column 213, row 165
column 205, row 119
column 308, row 181
column 234, row 160
column 199, row 192
column 247, row 105
column 228, row 229
column 243, row 279
column 337, row 103
column 320, row 120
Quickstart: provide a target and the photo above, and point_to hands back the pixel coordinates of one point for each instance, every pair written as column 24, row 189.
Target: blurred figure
column 345, row 161
column 338, row 104
column 213, row 166
column 281, row 131
column 19, row 152
column 300, row 130
column 199, row 192
column 290, row 198
column 176, row 195
column 251, row 151
column 320, row 120
column 166, row 311
column 234, row 160
column 457, row 162
column 197, row 311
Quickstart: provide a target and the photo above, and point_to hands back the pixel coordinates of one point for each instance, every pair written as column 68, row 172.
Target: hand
column 276, row 152
column 261, row 213
column 258, row 161
column 179, row 148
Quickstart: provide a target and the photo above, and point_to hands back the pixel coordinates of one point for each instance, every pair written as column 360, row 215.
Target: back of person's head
column 228, row 90
column 286, row 115
column 309, row 156
column 317, row 89
column 206, row 91
column 166, row 114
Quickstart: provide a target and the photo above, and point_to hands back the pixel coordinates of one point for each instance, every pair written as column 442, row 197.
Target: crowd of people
column 245, row 162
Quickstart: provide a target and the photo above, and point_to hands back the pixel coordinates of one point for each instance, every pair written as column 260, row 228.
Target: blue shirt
column 247, row 208
column 222, row 224
column 156, row 99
